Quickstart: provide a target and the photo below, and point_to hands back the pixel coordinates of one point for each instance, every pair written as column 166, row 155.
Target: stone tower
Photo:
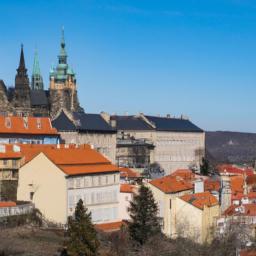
column 63, row 92
column 22, row 102
column 37, row 80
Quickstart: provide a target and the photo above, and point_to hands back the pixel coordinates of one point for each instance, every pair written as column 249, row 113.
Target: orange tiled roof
column 236, row 184
column 184, row 173
column 248, row 252
column 70, row 159
column 9, row 152
column 171, row 184
column 251, row 180
column 235, row 170
column 110, row 227
column 7, row 204
column 211, row 185
column 128, row 173
column 26, row 125
column 200, row 200
column 127, row 188
column 248, row 210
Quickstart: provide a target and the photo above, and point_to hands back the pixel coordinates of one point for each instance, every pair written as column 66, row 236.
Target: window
column 5, row 162
column 38, row 123
column 8, row 122
column 14, row 163
column 170, row 203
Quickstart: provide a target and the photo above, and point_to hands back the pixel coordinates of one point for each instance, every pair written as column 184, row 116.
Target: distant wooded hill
column 231, row 147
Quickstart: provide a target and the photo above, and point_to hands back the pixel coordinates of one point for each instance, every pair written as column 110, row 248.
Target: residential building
column 165, row 191
column 126, row 195
column 196, row 216
column 82, row 128
column 11, row 159
column 178, row 143
column 56, row 177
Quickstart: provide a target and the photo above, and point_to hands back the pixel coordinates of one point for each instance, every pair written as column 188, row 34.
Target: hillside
column 233, row 147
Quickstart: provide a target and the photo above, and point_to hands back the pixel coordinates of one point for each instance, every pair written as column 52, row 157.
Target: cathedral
column 31, row 99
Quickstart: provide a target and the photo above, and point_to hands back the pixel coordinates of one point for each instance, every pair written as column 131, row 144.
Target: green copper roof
column 37, row 80
column 36, row 68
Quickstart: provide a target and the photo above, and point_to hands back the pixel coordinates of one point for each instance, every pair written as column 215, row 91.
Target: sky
column 190, row 57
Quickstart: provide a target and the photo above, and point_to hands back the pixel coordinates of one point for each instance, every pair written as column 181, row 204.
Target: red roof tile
column 127, row 188
column 70, row 159
column 26, row 125
column 243, row 210
column 200, row 200
column 211, row 185
column 7, row 204
column 110, row 227
column 128, row 173
column 186, row 174
column 235, row 170
column 171, row 184
column 248, row 252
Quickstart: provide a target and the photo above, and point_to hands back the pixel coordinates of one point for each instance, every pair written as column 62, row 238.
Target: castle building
column 63, row 92
column 25, row 99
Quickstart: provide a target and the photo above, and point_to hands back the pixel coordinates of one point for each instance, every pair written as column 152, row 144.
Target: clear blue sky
column 192, row 57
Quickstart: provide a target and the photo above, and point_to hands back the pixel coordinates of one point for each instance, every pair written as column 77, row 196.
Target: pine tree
column 143, row 212
column 81, row 233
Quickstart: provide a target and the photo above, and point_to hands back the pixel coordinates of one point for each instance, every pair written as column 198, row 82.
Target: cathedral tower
column 63, row 92
column 22, row 101
column 37, row 80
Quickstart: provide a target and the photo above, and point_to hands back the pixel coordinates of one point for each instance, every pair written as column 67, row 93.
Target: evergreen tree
column 204, row 167
column 143, row 212
column 81, row 233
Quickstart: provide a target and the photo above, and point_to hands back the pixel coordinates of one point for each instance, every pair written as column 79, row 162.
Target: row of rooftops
column 104, row 122
column 84, row 122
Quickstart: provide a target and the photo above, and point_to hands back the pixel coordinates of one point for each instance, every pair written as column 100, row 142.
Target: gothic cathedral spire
column 37, row 80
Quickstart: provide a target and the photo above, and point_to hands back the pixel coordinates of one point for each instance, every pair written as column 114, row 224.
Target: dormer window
column 25, row 121
column 8, row 123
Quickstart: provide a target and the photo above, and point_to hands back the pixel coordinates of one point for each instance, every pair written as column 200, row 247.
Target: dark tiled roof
column 173, row 124
column 2, row 86
column 92, row 122
column 38, row 98
column 131, row 123
column 83, row 122
column 63, row 123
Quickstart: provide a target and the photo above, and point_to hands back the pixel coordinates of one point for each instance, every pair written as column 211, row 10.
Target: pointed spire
column 62, row 38
column 36, row 68
column 37, row 80
column 22, row 67
column 63, row 54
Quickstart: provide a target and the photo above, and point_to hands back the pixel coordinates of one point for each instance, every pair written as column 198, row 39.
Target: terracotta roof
column 184, row 173
column 83, row 169
column 110, row 227
column 248, row 252
column 171, row 184
column 7, row 204
column 200, row 200
column 211, row 185
column 128, row 173
column 240, row 196
column 235, row 170
column 244, row 210
column 70, row 159
column 127, row 188
column 26, row 125
column 251, row 180
column 236, row 184
column 10, row 151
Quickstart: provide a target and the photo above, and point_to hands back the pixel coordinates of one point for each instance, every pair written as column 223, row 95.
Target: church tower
column 22, row 101
column 37, row 80
column 63, row 91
